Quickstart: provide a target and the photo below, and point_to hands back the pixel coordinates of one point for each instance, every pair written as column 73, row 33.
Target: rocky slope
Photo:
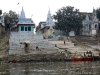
column 4, row 44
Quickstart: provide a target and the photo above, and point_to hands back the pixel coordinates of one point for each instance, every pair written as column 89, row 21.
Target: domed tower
column 48, row 29
column 25, row 24
column 49, row 21
column 95, row 20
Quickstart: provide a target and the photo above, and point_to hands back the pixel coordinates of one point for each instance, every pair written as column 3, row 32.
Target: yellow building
column 47, row 32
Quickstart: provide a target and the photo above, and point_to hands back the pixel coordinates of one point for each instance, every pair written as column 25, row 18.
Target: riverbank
column 61, row 52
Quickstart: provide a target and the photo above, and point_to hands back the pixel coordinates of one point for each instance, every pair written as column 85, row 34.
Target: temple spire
column 87, row 17
column 49, row 21
column 94, row 14
column 22, row 15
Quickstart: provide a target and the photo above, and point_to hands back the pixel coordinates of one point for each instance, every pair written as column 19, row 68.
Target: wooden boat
column 82, row 59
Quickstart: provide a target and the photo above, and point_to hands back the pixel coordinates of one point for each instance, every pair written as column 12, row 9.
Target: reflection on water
column 50, row 68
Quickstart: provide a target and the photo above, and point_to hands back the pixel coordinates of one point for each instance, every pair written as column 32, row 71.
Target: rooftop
column 23, row 19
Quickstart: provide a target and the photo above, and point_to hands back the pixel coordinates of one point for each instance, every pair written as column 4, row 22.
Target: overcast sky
column 39, row 8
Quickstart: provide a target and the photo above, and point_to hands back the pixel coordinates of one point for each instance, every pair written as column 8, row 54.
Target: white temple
column 25, row 24
column 90, row 26
column 49, row 21
column 47, row 28
column 22, row 15
column 25, row 34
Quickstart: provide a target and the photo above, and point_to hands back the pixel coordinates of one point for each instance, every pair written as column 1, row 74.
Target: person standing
column 64, row 42
column 84, row 54
column 26, row 47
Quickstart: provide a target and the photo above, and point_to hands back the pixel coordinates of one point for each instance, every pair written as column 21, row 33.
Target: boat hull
column 82, row 59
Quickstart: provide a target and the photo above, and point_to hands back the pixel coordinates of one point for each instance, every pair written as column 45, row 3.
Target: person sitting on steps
column 37, row 48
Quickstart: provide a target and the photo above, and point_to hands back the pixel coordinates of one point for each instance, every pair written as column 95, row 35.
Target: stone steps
column 34, row 40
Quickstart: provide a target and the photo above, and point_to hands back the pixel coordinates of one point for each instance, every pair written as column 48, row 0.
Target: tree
column 0, row 12
column 98, row 13
column 68, row 18
column 11, row 19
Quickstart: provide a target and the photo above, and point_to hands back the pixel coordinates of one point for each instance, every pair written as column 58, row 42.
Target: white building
column 90, row 25
column 47, row 28
column 25, row 32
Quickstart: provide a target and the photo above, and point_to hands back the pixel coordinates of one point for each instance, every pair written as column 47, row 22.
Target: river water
column 50, row 68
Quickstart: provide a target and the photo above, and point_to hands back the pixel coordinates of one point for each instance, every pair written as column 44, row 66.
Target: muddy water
column 50, row 68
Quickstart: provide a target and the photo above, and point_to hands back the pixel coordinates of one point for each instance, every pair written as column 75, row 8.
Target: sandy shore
column 75, row 50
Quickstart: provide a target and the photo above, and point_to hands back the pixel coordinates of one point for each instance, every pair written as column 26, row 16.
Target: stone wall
column 16, row 38
column 37, row 57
